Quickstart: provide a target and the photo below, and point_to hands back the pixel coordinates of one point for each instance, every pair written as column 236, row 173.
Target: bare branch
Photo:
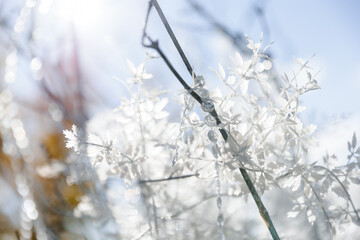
column 168, row 179
column 320, row 201
column 173, row 38
column 344, row 188
column 236, row 38
column 155, row 45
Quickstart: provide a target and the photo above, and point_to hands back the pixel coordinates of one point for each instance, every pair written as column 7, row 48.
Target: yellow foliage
column 55, row 146
column 3, row 157
column 72, row 194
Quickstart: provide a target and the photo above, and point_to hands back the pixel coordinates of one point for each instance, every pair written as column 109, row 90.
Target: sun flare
column 83, row 13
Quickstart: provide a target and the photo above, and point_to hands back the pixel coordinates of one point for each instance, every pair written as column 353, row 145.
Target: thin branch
column 141, row 235
column 236, row 38
column 173, row 38
column 262, row 19
column 343, row 187
column 263, row 212
column 168, row 179
column 155, row 216
column 206, row 198
column 155, row 45
column 321, row 205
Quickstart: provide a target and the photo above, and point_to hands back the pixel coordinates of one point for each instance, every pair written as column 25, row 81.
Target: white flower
column 72, row 138
column 138, row 73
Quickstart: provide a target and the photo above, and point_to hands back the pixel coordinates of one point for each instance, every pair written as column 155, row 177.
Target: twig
column 178, row 213
column 321, row 205
column 262, row 19
column 155, row 45
column 236, row 38
column 168, row 179
column 173, row 38
column 155, row 216
column 263, row 212
column 344, row 188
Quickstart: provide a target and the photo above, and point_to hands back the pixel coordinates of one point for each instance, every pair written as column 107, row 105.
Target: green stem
column 263, row 212
column 155, row 45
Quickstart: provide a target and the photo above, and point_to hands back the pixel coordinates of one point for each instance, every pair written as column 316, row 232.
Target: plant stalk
column 155, row 45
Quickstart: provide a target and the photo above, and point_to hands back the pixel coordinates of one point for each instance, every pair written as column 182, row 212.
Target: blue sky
column 300, row 29
column 330, row 29
column 108, row 32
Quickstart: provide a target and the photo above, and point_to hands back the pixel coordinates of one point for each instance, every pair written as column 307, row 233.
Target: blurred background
column 95, row 38
column 58, row 60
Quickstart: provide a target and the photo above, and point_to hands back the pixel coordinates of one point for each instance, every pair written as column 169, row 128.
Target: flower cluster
column 173, row 170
